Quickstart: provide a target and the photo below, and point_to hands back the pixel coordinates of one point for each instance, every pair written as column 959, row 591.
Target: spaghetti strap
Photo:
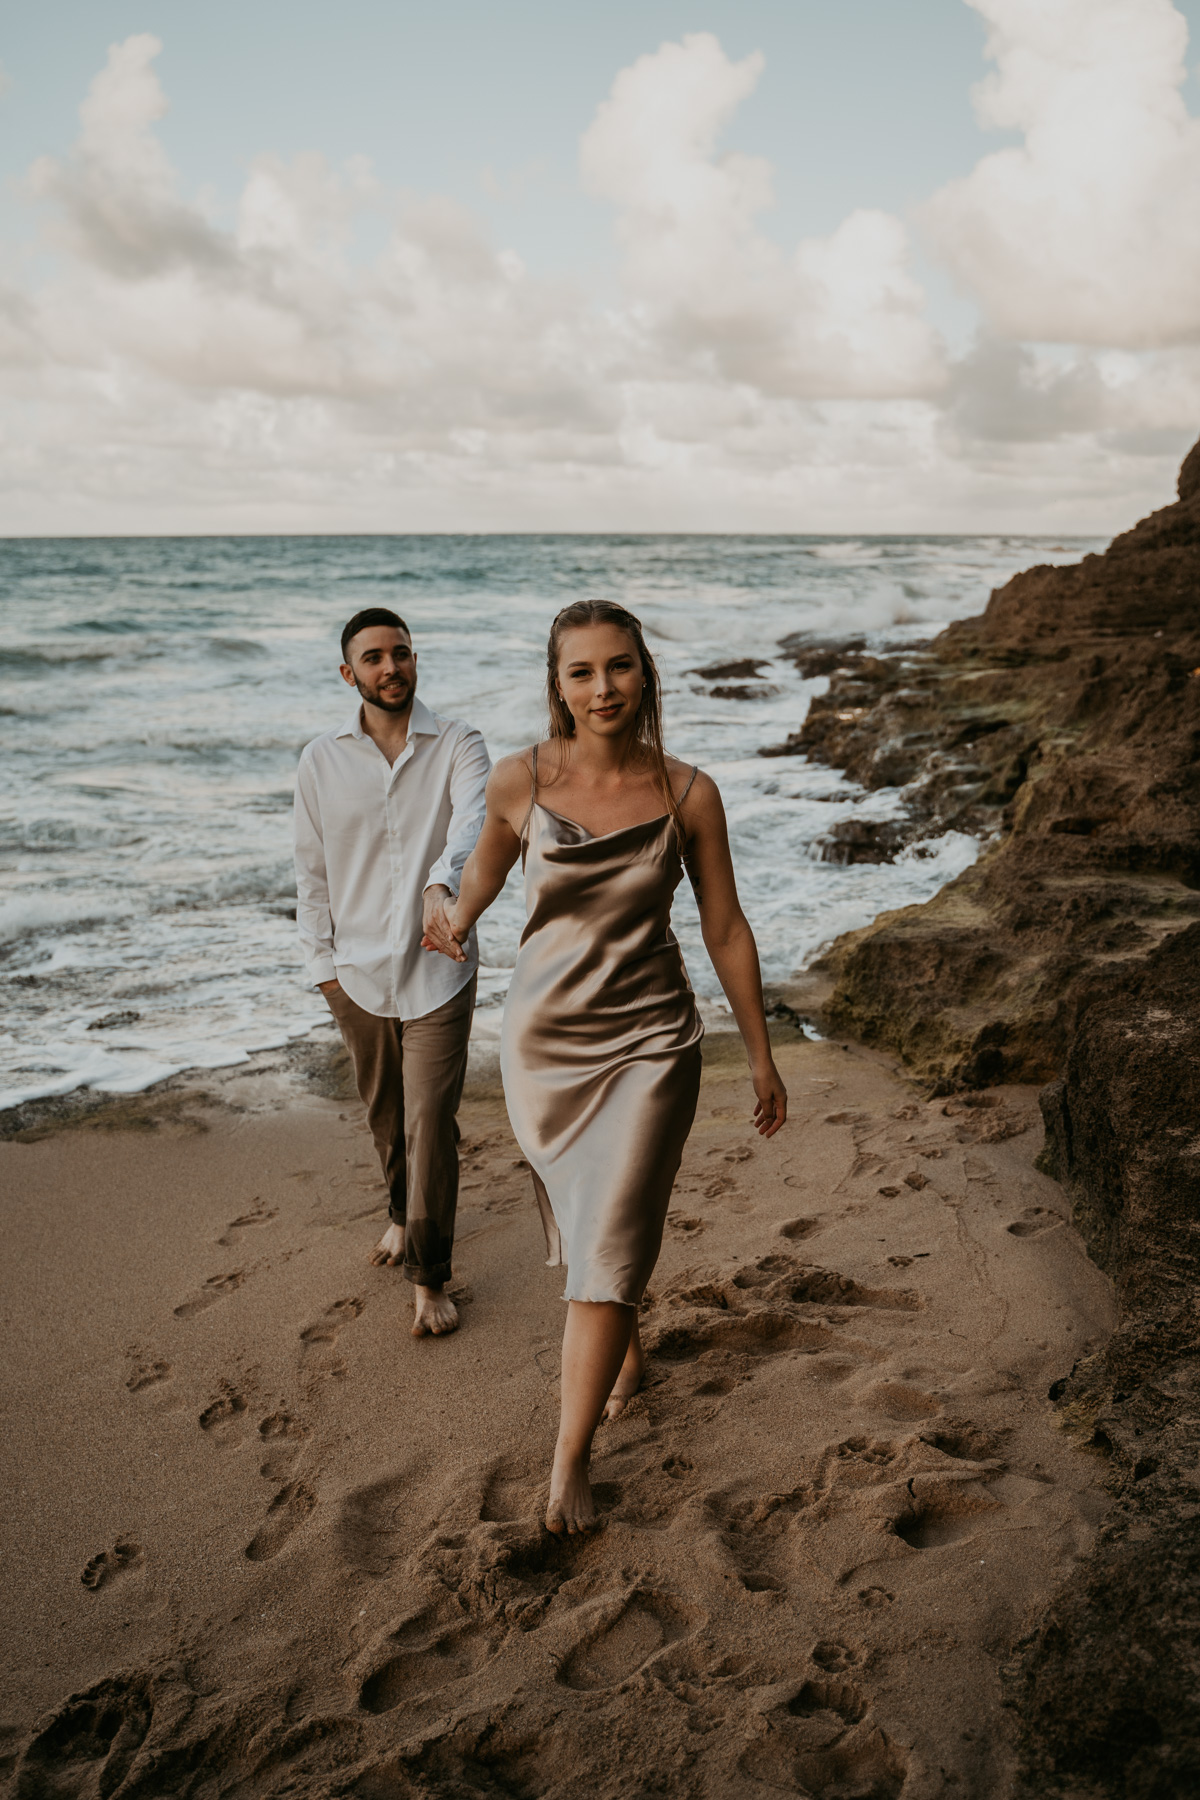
column 532, row 791
column 687, row 790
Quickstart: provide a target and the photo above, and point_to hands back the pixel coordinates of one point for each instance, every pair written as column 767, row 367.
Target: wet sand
column 262, row 1542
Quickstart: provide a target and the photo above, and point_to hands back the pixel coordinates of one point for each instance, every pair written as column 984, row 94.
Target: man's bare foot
column 437, row 1314
column 629, row 1380
column 390, row 1249
column 570, row 1509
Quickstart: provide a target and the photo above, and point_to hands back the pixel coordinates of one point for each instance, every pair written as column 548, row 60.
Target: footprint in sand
column 258, row 1215
column 798, row 1229
column 935, row 1524
column 756, row 1311
column 686, row 1227
column 425, row 1667
column 900, row 1401
column 223, row 1418
column 839, row 1697
column 281, row 1425
column 1034, row 1220
column 146, row 1374
column 825, row 1287
column 286, row 1513
column 823, row 1743
column 754, row 1332
column 333, row 1321
column 214, row 1289
column 833, row 1657
column 961, row 1440
column 370, row 1524
column 285, row 1435
column 877, row 1452
column 89, row 1742
column 125, row 1554
column 642, row 1626
column 510, row 1494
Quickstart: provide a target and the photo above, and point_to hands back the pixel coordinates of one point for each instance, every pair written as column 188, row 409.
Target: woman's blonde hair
column 648, row 735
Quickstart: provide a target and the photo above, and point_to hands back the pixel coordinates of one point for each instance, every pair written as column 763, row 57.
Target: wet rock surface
column 1064, row 726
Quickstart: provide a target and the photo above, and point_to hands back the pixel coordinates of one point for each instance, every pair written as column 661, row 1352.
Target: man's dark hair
column 371, row 615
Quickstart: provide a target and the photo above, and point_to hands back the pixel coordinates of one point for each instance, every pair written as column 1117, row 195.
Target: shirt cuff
column 440, row 878
column 322, row 970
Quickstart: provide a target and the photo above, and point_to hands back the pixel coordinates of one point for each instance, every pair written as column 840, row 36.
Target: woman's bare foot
column 629, row 1380
column 570, row 1509
column 437, row 1314
column 390, row 1249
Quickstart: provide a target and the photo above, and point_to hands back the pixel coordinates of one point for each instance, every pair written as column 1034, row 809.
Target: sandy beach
column 262, row 1542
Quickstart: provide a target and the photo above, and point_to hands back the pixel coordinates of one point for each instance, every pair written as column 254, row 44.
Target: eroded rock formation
column 1110, row 1687
column 1064, row 724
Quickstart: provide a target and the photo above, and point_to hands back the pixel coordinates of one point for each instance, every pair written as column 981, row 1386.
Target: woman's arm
column 496, row 850
column 730, row 943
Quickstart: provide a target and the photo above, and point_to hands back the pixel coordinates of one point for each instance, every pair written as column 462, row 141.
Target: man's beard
column 394, row 700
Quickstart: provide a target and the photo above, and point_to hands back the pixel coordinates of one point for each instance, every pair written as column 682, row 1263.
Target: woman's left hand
column 770, row 1105
column 442, row 932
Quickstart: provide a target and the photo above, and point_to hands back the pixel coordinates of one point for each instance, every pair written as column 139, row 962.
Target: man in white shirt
column 388, row 807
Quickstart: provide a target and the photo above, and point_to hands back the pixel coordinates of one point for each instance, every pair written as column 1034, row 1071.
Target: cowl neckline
column 598, row 837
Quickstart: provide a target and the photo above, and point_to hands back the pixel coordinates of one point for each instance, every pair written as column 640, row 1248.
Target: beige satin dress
column 600, row 1050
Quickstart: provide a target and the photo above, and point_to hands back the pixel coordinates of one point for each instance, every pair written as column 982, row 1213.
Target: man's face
column 383, row 667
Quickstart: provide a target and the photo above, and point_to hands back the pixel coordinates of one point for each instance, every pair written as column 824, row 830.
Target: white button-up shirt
column 369, row 840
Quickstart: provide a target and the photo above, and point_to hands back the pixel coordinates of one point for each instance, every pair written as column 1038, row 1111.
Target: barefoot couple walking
column 600, row 1051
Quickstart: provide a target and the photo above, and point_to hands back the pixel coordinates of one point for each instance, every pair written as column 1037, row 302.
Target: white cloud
column 840, row 316
column 1089, row 230
column 115, row 195
column 174, row 374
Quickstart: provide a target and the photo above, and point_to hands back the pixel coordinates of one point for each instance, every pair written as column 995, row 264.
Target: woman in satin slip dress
column 601, row 1040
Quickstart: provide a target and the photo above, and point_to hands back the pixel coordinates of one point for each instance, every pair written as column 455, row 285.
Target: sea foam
column 155, row 695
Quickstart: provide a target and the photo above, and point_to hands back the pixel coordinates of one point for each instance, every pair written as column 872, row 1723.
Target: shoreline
column 316, row 1064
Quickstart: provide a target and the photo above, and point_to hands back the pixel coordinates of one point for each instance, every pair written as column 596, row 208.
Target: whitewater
column 156, row 693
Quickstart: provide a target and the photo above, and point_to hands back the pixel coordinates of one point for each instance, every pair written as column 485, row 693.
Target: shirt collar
column 421, row 722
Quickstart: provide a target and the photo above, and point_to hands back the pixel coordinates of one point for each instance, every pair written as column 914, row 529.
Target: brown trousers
column 410, row 1078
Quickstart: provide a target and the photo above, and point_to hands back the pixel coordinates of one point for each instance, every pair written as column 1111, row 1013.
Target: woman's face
column 600, row 676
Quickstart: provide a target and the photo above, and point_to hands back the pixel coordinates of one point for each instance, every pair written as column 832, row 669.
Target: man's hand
column 327, row 987
column 437, row 920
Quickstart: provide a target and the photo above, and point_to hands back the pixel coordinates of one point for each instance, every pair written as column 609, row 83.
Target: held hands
column 439, row 930
column 770, row 1106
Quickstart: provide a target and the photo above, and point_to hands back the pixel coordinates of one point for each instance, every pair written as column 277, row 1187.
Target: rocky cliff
column 1063, row 725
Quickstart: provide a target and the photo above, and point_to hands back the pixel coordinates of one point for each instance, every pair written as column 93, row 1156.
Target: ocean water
column 155, row 695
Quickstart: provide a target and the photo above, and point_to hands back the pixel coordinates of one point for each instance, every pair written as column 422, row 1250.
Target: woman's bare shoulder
column 702, row 791
column 512, row 775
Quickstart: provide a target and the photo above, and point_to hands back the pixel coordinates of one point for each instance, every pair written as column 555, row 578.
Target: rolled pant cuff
column 436, row 1277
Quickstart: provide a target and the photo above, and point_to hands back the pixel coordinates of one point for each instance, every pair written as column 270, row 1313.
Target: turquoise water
column 155, row 694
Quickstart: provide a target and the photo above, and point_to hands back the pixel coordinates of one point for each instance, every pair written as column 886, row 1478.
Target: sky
column 666, row 266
